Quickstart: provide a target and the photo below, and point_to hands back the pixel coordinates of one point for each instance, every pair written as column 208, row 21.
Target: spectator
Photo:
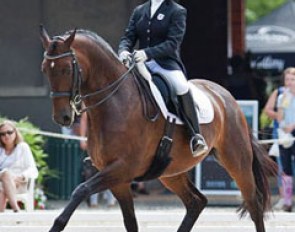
column 271, row 110
column 17, row 165
column 286, row 118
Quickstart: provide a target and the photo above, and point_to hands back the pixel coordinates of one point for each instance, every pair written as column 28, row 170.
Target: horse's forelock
column 52, row 47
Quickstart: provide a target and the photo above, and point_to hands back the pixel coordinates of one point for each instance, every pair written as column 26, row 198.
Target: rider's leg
column 197, row 143
column 179, row 82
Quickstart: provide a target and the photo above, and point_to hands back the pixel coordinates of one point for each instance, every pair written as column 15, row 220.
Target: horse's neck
column 121, row 101
column 101, row 71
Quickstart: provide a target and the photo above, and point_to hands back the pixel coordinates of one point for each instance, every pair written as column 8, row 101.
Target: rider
column 159, row 27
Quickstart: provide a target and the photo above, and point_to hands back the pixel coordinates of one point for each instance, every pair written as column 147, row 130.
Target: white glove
column 123, row 56
column 140, row 56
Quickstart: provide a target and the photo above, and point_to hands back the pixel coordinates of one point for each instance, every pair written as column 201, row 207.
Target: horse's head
column 61, row 68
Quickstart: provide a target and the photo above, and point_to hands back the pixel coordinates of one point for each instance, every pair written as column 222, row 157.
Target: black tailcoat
column 160, row 36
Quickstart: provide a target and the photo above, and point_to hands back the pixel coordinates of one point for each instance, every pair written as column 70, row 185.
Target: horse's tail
column 263, row 167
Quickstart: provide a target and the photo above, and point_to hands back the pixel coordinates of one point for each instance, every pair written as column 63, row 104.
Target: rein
column 75, row 94
column 76, row 98
column 114, row 85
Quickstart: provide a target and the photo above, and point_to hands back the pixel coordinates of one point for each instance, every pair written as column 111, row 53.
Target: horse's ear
column 70, row 39
column 44, row 37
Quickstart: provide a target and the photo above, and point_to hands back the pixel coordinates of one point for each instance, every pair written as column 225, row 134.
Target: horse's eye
column 66, row 71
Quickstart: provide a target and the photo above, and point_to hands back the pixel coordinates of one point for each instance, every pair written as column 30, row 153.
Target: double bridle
column 75, row 95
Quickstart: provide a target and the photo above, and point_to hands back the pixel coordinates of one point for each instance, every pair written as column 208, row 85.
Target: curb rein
column 75, row 94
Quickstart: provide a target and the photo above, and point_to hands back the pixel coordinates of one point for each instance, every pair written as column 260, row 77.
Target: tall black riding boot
column 198, row 144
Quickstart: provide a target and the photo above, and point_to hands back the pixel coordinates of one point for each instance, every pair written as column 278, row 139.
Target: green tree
column 256, row 9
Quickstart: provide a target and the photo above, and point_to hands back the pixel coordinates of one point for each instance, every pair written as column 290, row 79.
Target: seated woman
column 17, row 165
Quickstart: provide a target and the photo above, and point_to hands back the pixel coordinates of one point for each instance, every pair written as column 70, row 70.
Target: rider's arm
column 129, row 38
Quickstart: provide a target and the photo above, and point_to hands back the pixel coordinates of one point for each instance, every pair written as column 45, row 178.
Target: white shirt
column 155, row 4
column 19, row 162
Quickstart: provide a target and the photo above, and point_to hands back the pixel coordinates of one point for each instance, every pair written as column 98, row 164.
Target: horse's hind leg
column 252, row 200
column 240, row 163
column 125, row 199
column 193, row 200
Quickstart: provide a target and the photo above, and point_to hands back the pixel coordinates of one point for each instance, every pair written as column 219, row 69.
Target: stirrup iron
column 198, row 145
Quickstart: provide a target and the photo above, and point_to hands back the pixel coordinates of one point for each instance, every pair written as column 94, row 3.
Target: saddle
column 167, row 92
column 164, row 87
column 162, row 94
column 162, row 156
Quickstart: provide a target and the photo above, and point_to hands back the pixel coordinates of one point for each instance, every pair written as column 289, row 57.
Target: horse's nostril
column 67, row 119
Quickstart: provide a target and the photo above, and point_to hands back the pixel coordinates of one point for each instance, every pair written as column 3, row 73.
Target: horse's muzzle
column 63, row 118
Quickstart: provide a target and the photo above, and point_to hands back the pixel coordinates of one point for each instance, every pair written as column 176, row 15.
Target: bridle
column 75, row 95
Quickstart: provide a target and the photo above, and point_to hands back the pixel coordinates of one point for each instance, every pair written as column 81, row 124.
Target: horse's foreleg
column 80, row 193
column 101, row 181
column 193, row 200
column 124, row 196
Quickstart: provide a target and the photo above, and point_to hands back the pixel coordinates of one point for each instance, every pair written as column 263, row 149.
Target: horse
column 80, row 65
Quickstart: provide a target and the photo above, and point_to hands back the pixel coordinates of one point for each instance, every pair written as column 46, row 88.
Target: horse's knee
column 81, row 191
column 204, row 202
column 198, row 204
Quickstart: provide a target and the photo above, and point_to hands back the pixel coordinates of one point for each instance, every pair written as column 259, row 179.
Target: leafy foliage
column 256, row 9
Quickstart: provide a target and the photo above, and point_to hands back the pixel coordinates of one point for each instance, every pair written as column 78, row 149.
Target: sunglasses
column 9, row 132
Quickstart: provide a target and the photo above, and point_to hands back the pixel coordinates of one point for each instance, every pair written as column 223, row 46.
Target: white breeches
column 176, row 77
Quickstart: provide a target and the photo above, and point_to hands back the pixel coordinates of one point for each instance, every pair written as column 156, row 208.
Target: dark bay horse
column 122, row 142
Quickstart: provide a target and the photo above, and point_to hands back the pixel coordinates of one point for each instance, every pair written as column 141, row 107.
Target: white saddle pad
column 203, row 105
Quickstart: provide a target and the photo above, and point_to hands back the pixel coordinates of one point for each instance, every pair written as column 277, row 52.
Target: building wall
column 204, row 48
column 237, row 27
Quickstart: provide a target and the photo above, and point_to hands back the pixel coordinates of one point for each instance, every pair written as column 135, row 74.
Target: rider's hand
column 124, row 57
column 140, row 56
